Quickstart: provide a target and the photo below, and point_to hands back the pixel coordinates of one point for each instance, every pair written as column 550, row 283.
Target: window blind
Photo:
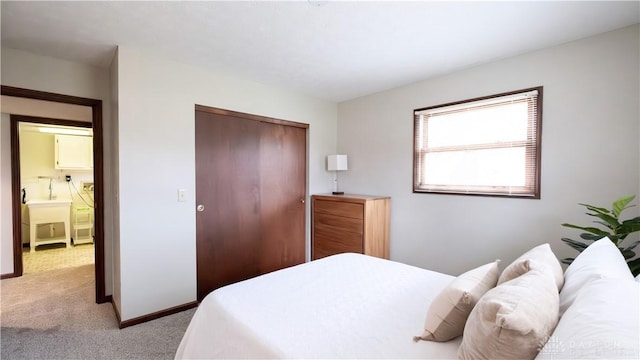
column 485, row 146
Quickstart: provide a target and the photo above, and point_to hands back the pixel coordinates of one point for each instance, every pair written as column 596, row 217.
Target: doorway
column 96, row 124
column 250, row 196
column 56, row 181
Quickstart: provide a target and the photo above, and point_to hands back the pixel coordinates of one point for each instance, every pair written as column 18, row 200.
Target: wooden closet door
column 250, row 179
column 282, row 196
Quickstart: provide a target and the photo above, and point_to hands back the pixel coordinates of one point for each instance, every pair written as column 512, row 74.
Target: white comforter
column 343, row 306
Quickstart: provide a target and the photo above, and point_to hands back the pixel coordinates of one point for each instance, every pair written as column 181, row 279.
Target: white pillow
column 602, row 323
column 602, row 259
column 514, row 319
column 449, row 310
column 638, row 278
column 541, row 254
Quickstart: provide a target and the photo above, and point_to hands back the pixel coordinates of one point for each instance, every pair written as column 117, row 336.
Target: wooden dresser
column 350, row 223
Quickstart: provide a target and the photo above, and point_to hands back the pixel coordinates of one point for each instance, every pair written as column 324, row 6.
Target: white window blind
column 485, row 146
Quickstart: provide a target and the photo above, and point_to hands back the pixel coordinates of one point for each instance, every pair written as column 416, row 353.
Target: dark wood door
column 250, row 179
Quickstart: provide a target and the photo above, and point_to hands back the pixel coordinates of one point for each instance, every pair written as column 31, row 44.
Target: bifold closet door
column 250, row 191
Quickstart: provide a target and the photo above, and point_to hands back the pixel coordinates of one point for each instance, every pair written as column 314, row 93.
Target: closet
column 250, row 196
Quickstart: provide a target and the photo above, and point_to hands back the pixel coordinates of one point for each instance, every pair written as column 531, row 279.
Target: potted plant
column 615, row 229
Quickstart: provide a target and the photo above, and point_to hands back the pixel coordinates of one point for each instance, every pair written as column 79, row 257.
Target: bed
column 343, row 306
column 355, row 306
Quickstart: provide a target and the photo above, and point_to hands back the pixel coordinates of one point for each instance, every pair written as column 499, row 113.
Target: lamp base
column 338, row 193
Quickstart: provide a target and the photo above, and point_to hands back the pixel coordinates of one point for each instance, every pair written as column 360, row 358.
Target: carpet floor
column 53, row 315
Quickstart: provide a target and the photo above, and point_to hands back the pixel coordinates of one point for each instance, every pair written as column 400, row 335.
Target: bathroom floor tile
column 49, row 257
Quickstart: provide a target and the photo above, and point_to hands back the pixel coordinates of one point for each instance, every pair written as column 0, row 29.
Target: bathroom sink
column 48, row 212
column 48, row 203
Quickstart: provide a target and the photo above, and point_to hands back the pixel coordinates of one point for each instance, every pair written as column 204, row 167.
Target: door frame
column 98, row 179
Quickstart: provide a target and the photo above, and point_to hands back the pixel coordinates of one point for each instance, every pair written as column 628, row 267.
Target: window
column 484, row 146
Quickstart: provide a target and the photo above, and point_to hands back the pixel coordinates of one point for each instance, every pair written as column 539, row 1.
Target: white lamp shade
column 337, row 162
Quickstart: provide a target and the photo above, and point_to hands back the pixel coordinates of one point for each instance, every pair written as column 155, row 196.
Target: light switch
column 182, row 195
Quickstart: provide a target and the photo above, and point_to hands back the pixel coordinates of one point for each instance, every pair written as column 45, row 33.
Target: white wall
column 6, row 215
column 115, row 174
column 156, row 146
column 590, row 153
column 26, row 70
column 42, row 108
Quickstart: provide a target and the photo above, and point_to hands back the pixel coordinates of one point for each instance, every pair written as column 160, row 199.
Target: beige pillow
column 448, row 312
column 514, row 319
column 541, row 254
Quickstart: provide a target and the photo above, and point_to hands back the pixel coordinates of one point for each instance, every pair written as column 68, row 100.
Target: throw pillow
column 541, row 254
column 514, row 319
column 602, row 259
column 449, row 310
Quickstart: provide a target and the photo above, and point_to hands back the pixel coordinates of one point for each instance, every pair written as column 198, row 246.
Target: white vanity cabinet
column 73, row 152
column 48, row 212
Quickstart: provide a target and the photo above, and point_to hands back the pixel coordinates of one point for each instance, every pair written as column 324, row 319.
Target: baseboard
column 8, row 276
column 155, row 315
column 115, row 309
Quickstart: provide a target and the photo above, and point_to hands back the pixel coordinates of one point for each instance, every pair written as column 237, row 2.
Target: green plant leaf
column 628, row 254
column 619, row 230
column 631, row 225
column 596, row 209
column 575, row 244
column 590, row 237
column 633, row 245
column 634, row 266
column 619, row 205
column 603, row 224
column 609, row 221
column 567, row 261
column 590, row 229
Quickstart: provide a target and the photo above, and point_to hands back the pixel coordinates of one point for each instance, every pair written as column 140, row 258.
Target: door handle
column 302, row 201
column 200, row 208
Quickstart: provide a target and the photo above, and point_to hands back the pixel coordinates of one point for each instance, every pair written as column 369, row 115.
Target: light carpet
column 53, row 315
column 61, row 298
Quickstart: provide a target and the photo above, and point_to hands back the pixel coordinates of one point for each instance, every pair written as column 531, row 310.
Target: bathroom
column 56, row 177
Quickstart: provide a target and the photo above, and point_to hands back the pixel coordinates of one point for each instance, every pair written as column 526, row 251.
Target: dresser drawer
column 346, row 209
column 327, row 241
column 337, row 222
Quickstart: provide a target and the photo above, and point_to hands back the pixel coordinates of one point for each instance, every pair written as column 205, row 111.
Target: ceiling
column 337, row 51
